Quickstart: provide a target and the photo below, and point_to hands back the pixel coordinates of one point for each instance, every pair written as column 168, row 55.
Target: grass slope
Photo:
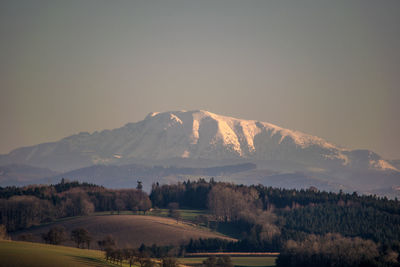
column 129, row 230
column 25, row 254
column 186, row 214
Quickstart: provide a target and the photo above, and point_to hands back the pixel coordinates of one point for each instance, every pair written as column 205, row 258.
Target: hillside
column 128, row 230
column 25, row 254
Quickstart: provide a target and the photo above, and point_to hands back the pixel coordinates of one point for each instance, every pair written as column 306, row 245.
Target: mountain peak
column 228, row 124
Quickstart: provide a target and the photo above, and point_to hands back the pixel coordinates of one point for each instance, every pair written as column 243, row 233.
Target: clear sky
column 327, row 68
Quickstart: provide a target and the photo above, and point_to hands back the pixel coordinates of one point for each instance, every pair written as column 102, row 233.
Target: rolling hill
column 128, row 230
column 26, row 254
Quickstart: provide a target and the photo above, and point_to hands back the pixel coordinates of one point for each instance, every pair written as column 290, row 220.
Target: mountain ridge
column 192, row 134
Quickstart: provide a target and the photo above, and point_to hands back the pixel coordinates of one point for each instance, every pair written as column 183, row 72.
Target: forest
column 23, row 207
column 308, row 227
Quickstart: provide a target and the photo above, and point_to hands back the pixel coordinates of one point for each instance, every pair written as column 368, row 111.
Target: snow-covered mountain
column 194, row 135
column 201, row 139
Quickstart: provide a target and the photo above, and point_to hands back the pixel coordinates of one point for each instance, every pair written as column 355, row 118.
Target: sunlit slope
column 25, row 254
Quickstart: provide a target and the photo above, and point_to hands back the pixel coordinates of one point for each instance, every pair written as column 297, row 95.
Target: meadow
column 26, row 254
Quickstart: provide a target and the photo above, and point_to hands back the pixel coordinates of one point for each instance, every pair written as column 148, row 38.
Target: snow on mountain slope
column 193, row 134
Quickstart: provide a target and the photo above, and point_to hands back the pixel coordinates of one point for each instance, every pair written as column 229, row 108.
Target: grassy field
column 25, row 254
column 128, row 230
column 237, row 261
column 186, row 214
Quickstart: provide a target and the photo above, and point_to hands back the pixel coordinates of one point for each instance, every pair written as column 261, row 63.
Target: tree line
column 23, row 207
column 335, row 250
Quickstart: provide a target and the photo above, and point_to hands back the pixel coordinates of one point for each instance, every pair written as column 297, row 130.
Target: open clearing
column 186, row 214
column 128, row 230
column 25, row 254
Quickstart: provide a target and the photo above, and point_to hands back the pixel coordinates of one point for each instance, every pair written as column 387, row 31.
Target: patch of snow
column 250, row 130
column 194, row 137
column 382, row 165
column 337, row 154
column 228, row 136
column 173, row 117
column 153, row 114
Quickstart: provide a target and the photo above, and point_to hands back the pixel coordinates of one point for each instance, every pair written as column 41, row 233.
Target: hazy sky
column 328, row 68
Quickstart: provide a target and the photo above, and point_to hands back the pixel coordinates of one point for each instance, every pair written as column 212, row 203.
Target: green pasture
column 186, row 214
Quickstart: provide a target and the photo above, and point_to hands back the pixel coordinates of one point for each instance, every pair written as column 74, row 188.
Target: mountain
column 204, row 139
column 17, row 174
column 193, row 135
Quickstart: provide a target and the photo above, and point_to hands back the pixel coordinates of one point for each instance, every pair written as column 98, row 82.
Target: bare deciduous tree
column 81, row 237
column 3, row 232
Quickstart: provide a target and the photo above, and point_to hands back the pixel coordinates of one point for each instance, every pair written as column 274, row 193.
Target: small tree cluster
column 55, row 236
column 132, row 256
column 226, row 201
column 224, row 261
column 169, row 262
column 173, row 211
column 107, row 242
